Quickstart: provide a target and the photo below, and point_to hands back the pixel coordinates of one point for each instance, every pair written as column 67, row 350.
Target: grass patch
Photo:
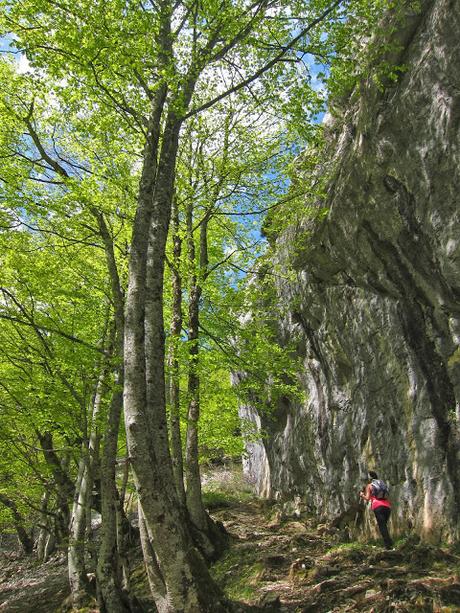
column 238, row 574
column 215, row 499
column 407, row 541
column 354, row 553
column 224, row 486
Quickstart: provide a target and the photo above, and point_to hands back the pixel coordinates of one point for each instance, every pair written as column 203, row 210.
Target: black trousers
column 382, row 515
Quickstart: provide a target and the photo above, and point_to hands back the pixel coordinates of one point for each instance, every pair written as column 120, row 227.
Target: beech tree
column 223, row 157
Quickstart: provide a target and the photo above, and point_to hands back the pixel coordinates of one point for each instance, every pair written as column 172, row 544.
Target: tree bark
column 108, row 571
column 79, row 585
column 154, row 575
column 193, row 478
column 46, row 538
column 125, row 532
column 188, row 585
column 108, row 566
column 65, row 487
column 173, row 360
column 211, row 537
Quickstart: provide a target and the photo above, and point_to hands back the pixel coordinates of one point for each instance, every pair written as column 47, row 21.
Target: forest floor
column 285, row 564
column 27, row 586
column 276, row 563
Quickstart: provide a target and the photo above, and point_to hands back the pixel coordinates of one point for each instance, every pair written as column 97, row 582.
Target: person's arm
column 366, row 495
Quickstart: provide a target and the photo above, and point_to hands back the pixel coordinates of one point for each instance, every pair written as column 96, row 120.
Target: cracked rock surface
column 375, row 308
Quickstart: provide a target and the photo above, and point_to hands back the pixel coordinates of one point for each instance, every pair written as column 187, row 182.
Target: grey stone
column 375, row 308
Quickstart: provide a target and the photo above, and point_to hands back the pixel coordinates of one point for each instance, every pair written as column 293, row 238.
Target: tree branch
column 279, row 57
column 69, row 337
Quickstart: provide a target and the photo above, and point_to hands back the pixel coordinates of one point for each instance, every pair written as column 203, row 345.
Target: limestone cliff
column 375, row 311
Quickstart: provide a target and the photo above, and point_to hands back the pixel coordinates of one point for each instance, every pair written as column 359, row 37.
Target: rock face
column 375, row 311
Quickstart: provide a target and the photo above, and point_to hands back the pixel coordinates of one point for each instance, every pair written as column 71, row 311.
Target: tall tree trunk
column 188, row 586
column 112, row 597
column 211, row 537
column 44, row 528
column 46, row 538
column 108, row 566
column 125, row 536
column 173, row 360
column 108, row 571
column 79, row 584
column 199, row 272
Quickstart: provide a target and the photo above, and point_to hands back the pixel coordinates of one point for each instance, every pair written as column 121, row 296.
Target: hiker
column 377, row 493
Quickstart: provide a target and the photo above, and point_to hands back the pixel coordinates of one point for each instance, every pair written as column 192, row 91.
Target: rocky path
column 283, row 564
column 288, row 565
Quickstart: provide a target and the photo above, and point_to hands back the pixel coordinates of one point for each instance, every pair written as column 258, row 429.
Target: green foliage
column 219, row 427
column 72, row 132
column 366, row 46
column 269, row 362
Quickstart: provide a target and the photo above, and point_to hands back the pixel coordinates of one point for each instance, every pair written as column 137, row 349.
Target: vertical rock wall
column 375, row 311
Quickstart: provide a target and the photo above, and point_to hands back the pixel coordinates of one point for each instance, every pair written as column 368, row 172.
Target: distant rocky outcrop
column 375, row 310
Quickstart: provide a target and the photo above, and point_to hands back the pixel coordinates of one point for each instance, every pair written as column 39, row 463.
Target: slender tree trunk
column 27, row 543
column 211, row 537
column 65, row 487
column 199, row 271
column 44, row 531
column 193, row 478
column 124, row 531
column 79, row 585
column 174, row 374
column 108, row 567
column 46, row 540
column 108, row 571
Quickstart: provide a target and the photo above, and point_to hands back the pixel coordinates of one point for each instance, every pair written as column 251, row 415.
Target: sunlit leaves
column 72, row 132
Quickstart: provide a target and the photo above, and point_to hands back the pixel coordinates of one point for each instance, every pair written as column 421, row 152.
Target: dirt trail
column 284, row 564
column 280, row 564
column 26, row 586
